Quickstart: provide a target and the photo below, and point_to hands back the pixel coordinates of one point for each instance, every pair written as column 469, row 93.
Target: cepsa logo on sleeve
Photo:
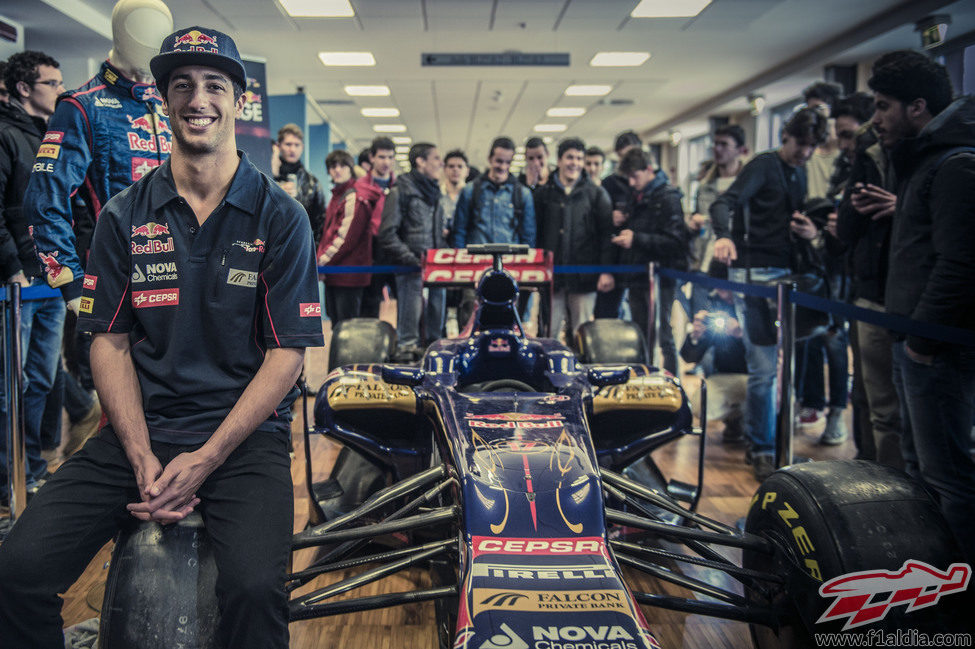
column 310, row 310
column 90, row 281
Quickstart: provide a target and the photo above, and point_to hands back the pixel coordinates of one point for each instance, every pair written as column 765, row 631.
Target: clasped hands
column 169, row 494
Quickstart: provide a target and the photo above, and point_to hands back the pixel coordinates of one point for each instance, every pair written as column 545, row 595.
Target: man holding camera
column 715, row 345
column 754, row 221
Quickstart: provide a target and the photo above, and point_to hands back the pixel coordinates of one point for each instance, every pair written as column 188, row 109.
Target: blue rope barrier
column 900, row 324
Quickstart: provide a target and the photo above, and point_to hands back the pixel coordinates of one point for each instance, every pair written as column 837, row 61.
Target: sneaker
column 835, row 432
column 763, row 464
column 809, row 417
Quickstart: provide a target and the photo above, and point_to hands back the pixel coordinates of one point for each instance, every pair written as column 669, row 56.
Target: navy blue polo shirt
column 202, row 304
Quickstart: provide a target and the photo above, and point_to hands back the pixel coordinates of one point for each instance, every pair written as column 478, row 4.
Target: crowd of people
column 867, row 195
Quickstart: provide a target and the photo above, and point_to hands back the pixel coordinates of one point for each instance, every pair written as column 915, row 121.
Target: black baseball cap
column 197, row 46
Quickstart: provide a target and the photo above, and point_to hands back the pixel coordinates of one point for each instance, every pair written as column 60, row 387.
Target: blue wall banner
column 254, row 128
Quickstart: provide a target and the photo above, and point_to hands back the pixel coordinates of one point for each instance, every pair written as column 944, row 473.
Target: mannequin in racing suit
column 102, row 137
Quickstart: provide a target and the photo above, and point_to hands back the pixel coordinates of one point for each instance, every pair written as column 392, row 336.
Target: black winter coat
column 659, row 232
column 866, row 238
column 20, row 137
column 410, row 224
column 932, row 268
column 576, row 227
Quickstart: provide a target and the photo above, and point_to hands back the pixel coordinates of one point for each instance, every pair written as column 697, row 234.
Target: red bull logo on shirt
column 150, row 230
column 195, row 41
column 153, row 246
column 153, row 125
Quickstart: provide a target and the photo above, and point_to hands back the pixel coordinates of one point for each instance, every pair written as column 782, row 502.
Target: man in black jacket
column 753, row 221
column 863, row 226
column 653, row 231
column 931, row 273
column 302, row 185
column 574, row 221
column 34, row 81
column 412, row 223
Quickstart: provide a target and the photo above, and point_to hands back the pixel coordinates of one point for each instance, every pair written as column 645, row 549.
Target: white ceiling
column 692, row 60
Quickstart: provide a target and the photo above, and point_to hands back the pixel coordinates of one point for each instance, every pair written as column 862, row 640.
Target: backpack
column 517, row 203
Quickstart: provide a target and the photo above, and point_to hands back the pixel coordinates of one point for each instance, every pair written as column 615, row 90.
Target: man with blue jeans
column 931, row 273
column 754, row 221
column 34, row 82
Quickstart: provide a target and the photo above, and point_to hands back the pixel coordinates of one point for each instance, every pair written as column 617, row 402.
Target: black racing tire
column 361, row 341
column 161, row 588
column 831, row 518
column 608, row 340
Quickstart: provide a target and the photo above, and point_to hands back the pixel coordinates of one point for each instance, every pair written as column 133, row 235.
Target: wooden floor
column 728, row 488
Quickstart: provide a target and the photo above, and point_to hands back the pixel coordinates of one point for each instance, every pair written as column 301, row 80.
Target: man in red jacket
column 346, row 237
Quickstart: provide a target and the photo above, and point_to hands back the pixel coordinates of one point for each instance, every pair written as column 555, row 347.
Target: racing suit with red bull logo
column 102, row 137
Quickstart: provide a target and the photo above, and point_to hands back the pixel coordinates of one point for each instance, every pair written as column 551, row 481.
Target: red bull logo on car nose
column 195, row 41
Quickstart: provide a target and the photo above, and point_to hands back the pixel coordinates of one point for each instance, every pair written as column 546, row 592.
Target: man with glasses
column 34, row 81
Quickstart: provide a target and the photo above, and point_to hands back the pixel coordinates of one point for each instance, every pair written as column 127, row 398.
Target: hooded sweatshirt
column 932, row 268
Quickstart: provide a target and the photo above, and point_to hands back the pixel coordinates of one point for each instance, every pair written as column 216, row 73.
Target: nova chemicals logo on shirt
column 155, row 272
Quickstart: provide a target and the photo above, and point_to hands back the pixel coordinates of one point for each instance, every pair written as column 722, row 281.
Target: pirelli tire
column 831, row 518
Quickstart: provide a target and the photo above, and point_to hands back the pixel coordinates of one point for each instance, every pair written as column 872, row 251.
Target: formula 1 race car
column 518, row 473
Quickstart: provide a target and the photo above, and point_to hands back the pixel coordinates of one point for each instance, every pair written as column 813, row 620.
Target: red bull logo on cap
column 195, row 41
column 150, row 230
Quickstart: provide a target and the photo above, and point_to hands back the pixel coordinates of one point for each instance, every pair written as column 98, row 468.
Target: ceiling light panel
column 587, row 91
column 565, row 112
column 347, row 58
column 380, row 112
column 318, row 8
column 619, row 59
column 402, row 139
column 669, row 8
column 367, row 91
column 389, row 128
column 550, row 128
column 402, row 149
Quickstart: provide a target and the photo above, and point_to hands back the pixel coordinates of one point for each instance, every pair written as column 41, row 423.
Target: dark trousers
column 937, row 404
column 51, row 417
column 342, row 303
column 639, row 311
column 809, row 354
column 247, row 508
column 608, row 303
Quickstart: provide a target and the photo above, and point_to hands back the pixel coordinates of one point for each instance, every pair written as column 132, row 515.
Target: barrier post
column 652, row 311
column 786, row 314
column 13, row 381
